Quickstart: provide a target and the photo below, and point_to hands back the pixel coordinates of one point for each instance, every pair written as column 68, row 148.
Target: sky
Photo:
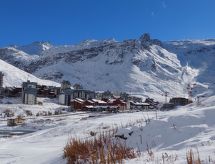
column 72, row 21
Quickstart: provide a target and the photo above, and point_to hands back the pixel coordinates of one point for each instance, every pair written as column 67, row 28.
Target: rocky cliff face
column 199, row 54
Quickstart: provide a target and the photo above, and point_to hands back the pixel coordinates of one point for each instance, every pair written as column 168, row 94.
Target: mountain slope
column 199, row 54
column 22, row 56
column 35, row 48
column 145, row 66
column 16, row 57
column 14, row 76
column 140, row 66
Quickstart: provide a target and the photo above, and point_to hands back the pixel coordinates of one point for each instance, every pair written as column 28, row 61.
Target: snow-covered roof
column 99, row 101
column 90, row 101
column 111, row 100
column 79, row 99
column 104, row 106
column 137, row 103
column 89, row 106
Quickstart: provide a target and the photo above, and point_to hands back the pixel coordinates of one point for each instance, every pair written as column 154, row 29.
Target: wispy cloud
column 164, row 5
column 152, row 13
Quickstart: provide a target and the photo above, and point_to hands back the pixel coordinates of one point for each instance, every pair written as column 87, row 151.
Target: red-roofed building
column 117, row 102
column 98, row 105
column 77, row 104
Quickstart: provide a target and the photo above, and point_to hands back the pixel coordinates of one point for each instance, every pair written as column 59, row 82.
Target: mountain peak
column 35, row 48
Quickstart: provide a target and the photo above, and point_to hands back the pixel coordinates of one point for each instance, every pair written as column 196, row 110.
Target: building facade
column 1, row 79
column 1, row 84
column 67, row 95
column 179, row 101
column 139, row 106
column 65, row 85
column 29, row 93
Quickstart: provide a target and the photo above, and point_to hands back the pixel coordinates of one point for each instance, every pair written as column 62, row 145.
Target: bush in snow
column 192, row 158
column 102, row 149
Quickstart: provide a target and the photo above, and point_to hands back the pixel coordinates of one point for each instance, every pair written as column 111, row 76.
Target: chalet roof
column 104, row 107
column 99, row 107
column 99, row 101
column 140, row 104
column 90, row 101
column 113, row 100
column 81, row 100
column 116, row 97
column 78, row 100
column 99, row 92
column 89, row 106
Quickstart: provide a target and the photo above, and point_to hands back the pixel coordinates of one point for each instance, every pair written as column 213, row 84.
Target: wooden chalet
column 78, row 104
column 12, row 91
column 94, row 105
column 119, row 103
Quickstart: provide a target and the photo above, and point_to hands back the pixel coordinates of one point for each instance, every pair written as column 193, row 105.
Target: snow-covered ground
column 15, row 105
column 172, row 134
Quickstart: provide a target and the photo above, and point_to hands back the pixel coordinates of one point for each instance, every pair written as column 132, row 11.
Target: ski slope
column 14, row 76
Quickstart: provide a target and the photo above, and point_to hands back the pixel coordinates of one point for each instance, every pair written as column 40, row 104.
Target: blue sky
column 71, row 21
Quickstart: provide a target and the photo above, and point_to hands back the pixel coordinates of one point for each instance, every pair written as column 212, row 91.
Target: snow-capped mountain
column 14, row 76
column 35, row 48
column 199, row 54
column 140, row 66
column 144, row 65
column 22, row 56
column 16, row 57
